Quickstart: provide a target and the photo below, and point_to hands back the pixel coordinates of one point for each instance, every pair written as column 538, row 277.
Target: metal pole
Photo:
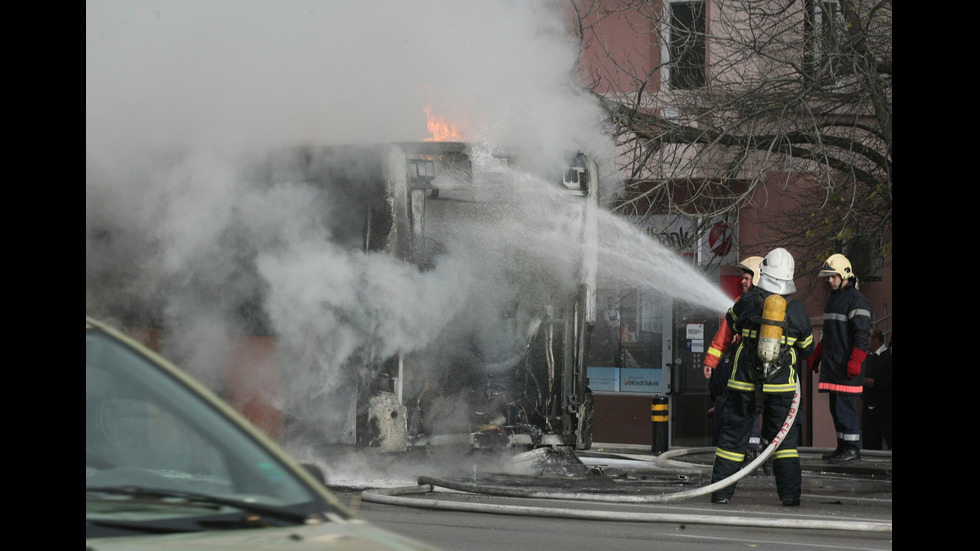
column 401, row 377
column 808, row 418
column 659, row 417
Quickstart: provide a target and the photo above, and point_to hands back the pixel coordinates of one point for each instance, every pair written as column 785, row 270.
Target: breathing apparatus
column 771, row 332
column 777, row 278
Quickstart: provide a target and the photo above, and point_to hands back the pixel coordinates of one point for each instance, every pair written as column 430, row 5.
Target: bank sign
column 626, row 380
column 640, row 380
column 715, row 247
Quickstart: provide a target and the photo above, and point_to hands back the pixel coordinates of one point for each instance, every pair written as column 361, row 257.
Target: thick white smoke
column 245, row 72
column 182, row 100
column 185, row 98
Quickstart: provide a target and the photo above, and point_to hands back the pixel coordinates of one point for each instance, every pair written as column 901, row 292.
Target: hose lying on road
column 618, row 498
column 396, row 496
column 666, row 459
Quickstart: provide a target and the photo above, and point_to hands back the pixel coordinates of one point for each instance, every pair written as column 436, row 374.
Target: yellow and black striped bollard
column 658, row 419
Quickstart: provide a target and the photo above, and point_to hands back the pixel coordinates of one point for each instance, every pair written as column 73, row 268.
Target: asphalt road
column 479, row 531
column 843, row 507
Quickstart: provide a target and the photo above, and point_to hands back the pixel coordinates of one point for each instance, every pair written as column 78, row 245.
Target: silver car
column 169, row 465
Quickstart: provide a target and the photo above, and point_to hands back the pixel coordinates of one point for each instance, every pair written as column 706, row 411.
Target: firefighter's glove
column 854, row 364
column 814, row 361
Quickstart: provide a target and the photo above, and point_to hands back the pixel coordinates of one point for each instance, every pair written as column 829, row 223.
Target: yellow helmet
column 837, row 264
column 751, row 264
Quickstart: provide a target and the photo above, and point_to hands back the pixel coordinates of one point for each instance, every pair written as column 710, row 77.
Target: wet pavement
column 618, row 497
column 631, row 476
column 857, row 487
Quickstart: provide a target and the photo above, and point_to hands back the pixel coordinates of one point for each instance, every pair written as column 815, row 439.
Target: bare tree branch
column 795, row 91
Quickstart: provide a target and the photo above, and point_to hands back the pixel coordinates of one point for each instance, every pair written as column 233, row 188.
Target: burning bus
column 504, row 368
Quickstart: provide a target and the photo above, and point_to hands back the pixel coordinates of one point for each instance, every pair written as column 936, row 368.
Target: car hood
column 350, row 535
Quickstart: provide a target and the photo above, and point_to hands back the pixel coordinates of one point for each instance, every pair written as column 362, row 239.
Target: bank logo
column 720, row 239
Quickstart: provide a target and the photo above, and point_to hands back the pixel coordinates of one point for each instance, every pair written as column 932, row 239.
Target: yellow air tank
column 771, row 332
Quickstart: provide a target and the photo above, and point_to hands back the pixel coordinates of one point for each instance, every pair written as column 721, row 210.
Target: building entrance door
column 689, row 395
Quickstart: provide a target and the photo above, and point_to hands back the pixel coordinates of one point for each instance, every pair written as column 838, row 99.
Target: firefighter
column 846, row 327
column 724, row 336
column 764, row 377
column 720, row 353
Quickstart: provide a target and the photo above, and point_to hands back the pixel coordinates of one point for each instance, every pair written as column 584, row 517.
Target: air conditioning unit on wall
column 866, row 257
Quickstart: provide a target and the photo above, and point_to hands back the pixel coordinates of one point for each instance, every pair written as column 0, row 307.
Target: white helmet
column 777, row 272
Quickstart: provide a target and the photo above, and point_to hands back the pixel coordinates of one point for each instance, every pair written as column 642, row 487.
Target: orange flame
column 441, row 130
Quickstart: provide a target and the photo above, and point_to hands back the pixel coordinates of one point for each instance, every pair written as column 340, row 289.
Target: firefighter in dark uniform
column 756, row 386
column 846, row 327
column 720, row 353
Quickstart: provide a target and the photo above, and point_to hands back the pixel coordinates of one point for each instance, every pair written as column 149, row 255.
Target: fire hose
column 656, row 498
column 396, row 496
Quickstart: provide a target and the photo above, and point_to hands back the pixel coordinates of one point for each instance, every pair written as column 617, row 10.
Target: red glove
column 814, row 361
column 854, row 364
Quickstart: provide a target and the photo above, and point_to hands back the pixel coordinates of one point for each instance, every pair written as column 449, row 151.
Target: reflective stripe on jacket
column 846, row 326
column 797, row 339
column 719, row 345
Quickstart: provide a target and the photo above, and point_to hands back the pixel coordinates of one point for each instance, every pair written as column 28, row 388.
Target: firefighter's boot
column 836, row 452
column 849, row 453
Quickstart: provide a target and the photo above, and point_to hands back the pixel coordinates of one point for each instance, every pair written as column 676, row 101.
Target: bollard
column 658, row 419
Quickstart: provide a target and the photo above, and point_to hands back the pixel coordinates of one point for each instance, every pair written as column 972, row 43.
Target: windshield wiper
column 194, row 498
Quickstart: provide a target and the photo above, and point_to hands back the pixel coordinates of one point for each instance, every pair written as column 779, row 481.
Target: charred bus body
column 520, row 370
column 508, row 370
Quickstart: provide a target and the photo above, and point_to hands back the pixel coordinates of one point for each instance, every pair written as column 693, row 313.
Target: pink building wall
column 634, row 42
column 813, row 293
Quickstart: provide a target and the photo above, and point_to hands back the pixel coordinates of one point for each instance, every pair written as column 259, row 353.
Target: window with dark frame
column 686, row 45
column 821, row 23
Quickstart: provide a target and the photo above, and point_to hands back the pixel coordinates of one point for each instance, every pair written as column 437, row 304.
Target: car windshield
column 156, row 452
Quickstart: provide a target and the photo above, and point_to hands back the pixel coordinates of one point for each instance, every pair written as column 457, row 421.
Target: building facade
column 741, row 126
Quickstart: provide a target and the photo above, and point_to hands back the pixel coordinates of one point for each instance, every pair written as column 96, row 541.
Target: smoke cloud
column 184, row 102
column 245, row 72
column 188, row 216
